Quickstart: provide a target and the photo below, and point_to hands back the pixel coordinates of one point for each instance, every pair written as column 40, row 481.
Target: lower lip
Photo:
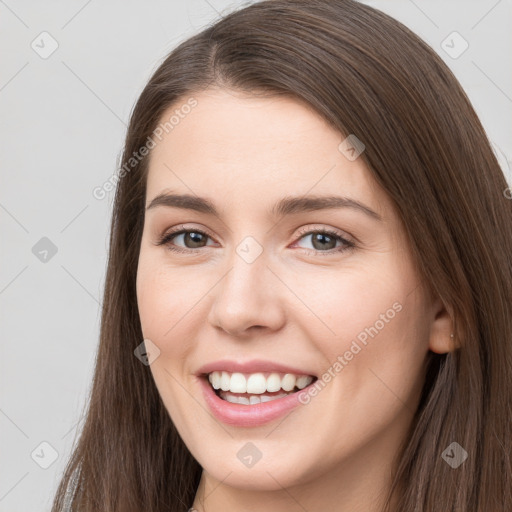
column 240, row 415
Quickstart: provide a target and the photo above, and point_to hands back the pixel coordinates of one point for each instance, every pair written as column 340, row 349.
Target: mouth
column 255, row 388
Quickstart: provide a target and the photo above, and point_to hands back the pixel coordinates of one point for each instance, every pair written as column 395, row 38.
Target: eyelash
column 166, row 238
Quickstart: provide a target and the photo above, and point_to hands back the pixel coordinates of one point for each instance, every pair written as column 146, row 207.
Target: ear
column 442, row 335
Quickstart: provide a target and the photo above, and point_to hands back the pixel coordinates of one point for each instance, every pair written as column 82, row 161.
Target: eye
column 324, row 241
column 194, row 237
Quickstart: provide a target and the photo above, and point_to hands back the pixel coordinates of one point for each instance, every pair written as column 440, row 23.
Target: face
column 329, row 292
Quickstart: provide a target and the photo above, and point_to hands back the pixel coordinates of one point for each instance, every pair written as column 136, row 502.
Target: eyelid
column 349, row 241
column 334, row 231
column 302, row 231
column 185, row 227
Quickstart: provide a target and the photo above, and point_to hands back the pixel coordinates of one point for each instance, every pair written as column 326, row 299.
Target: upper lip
column 252, row 366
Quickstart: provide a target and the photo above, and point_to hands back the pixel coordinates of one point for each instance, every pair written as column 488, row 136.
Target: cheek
column 368, row 318
column 348, row 301
column 373, row 367
column 165, row 299
column 152, row 300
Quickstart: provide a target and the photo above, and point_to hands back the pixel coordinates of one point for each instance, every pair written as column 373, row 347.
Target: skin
column 294, row 304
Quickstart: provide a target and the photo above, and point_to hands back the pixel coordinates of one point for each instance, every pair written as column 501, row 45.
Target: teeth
column 225, row 381
column 303, row 381
column 238, row 383
column 253, row 399
column 273, row 382
column 257, row 383
column 288, row 382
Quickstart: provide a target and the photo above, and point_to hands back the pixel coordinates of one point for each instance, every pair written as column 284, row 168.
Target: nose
column 250, row 297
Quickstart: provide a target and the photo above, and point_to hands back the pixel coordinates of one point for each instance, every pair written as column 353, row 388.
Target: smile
column 256, row 388
column 224, row 395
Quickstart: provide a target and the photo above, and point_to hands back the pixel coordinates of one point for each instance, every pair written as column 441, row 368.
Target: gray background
column 63, row 123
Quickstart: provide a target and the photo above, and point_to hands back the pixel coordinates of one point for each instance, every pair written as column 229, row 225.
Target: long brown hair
column 367, row 75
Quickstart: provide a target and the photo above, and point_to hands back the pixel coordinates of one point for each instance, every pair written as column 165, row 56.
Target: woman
column 307, row 302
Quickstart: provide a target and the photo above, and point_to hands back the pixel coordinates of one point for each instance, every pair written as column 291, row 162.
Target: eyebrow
column 285, row 206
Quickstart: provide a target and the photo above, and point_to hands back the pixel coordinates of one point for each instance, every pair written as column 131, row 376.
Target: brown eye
column 325, row 240
column 322, row 241
column 192, row 239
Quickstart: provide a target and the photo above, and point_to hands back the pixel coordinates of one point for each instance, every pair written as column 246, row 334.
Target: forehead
column 247, row 148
